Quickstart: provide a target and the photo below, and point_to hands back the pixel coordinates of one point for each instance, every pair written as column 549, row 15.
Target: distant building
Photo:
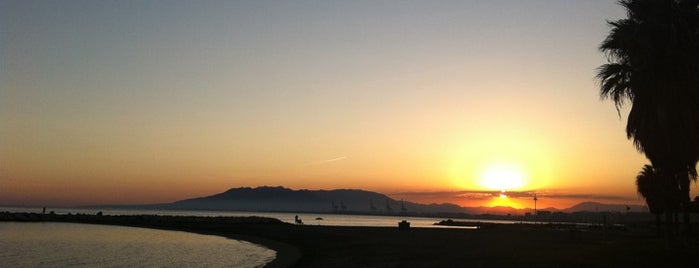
column 543, row 213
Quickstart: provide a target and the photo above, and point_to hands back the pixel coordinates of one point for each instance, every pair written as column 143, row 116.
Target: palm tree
column 650, row 186
column 653, row 59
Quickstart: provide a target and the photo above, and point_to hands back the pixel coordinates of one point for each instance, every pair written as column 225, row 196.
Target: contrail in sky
column 329, row 160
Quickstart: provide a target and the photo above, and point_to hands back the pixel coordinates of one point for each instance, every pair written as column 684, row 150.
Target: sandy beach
column 491, row 246
column 494, row 245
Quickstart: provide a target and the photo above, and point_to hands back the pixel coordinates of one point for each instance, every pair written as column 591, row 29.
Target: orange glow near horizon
column 503, row 200
column 504, row 156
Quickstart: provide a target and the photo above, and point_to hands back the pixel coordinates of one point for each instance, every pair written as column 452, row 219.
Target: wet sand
column 497, row 245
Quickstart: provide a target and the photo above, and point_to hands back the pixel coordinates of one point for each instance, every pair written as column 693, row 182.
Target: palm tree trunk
column 670, row 207
column 686, row 202
column 669, row 226
column 676, row 223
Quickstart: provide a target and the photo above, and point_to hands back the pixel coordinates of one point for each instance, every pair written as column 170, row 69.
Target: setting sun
column 502, row 177
column 502, row 200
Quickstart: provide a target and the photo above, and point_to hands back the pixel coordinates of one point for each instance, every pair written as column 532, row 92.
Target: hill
column 280, row 199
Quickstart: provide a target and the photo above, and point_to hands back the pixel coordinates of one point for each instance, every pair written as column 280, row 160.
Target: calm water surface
column 86, row 245
column 326, row 219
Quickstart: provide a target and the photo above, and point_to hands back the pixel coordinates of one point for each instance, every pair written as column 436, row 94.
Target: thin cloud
column 589, row 196
column 472, row 195
column 478, row 194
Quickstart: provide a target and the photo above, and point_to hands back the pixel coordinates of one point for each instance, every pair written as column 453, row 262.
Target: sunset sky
column 126, row 102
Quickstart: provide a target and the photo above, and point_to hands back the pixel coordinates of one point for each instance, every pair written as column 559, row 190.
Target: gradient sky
column 155, row 101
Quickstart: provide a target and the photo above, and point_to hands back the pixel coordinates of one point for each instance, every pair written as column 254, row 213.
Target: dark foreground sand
column 515, row 245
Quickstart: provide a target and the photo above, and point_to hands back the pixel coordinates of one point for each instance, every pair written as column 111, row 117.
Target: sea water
column 323, row 219
column 52, row 244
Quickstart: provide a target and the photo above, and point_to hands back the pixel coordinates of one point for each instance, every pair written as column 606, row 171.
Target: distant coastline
column 582, row 217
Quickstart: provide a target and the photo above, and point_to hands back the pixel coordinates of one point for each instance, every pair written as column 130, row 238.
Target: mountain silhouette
column 599, row 207
column 280, row 199
column 351, row 201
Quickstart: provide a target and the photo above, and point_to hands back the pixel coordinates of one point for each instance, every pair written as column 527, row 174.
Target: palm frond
column 645, row 180
column 615, row 83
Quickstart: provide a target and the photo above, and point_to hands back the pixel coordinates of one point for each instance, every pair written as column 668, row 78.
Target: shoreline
column 492, row 245
column 286, row 254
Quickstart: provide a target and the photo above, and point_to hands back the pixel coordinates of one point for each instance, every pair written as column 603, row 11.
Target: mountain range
column 281, row 199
